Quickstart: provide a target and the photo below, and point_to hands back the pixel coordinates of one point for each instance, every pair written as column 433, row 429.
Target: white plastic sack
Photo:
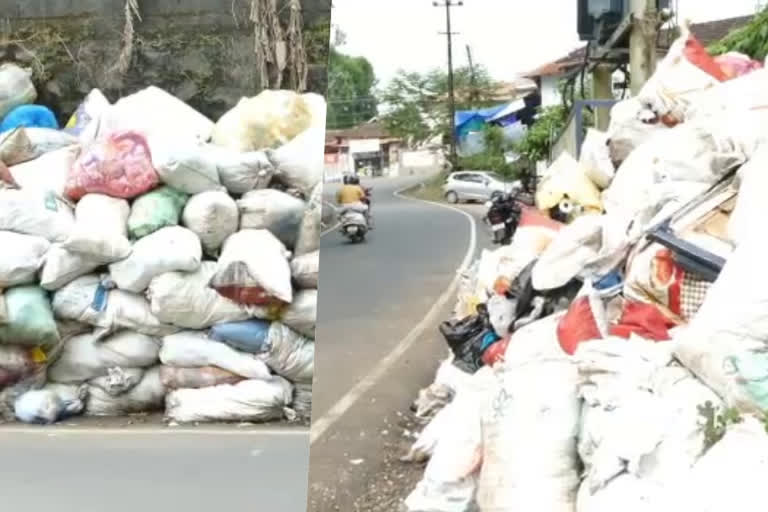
column 47, row 173
column 61, row 267
column 146, row 396
column 87, row 301
column 157, row 113
column 268, row 120
column 166, row 250
column 750, row 204
column 16, row 148
column 241, row 172
column 699, row 152
column 250, row 400
column 290, row 355
column 529, row 430
column 724, row 344
column 86, row 120
column 299, row 163
column 301, row 314
column 101, row 228
column 86, row 357
column 50, row 404
column 16, row 88
column 254, row 263
column 595, row 160
column 184, row 299
column 502, row 314
column 450, row 479
column 186, row 168
column 195, row 349
column 632, row 124
column 309, row 231
column 675, row 82
column 302, row 401
column 305, row 270
column 118, row 380
column 23, row 255
column 46, row 140
column 213, row 217
column 276, row 211
column 34, row 213
column 730, row 476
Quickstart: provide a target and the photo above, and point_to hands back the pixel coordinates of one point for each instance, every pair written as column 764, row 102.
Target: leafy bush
column 751, row 39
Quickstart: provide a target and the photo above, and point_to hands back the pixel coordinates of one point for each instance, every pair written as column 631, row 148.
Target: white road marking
column 56, row 431
column 322, row 424
column 335, row 210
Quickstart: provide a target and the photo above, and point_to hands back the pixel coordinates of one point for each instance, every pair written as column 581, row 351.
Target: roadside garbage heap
column 618, row 361
column 155, row 260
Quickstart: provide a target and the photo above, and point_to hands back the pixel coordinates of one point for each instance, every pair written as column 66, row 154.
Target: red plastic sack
column 495, row 352
column 735, row 64
column 643, row 319
column 533, row 218
column 120, row 166
column 699, row 57
column 577, row 326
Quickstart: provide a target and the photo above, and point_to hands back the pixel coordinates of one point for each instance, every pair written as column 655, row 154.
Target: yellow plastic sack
column 268, row 120
column 565, row 180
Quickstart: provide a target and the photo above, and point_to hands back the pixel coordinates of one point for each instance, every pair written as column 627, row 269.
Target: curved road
column 371, row 296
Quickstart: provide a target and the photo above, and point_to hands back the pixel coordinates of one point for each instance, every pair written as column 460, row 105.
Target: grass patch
column 431, row 190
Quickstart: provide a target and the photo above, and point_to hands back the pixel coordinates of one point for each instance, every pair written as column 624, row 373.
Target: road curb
column 321, row 425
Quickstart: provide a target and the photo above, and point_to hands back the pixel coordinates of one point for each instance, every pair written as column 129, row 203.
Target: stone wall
column 200, row 50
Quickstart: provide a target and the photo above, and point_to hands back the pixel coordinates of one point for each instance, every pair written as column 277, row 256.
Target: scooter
column 503, row 216
column 354, row 225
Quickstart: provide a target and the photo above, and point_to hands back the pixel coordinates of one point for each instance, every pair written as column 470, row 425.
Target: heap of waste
column 155, row 260
column 618, row 361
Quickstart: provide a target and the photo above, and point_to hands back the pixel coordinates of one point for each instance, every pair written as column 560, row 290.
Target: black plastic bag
column 469, row 356
column 458, row 332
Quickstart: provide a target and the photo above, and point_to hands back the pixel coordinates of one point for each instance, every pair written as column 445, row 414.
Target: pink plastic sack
column 119, row 166
column 734, row 64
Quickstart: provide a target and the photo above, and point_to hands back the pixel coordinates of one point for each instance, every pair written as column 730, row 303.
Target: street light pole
column 451, row 96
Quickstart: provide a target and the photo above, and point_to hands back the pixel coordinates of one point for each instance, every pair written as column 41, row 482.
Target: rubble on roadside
column 154, row 260
column 618, row 361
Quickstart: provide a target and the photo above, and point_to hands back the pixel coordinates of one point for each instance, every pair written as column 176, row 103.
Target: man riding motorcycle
column 353, row 196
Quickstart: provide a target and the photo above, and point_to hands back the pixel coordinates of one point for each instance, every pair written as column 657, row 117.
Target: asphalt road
column 148, row 471
column 371, row 296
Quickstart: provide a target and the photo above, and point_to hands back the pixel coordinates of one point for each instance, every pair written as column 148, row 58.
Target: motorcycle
column 503, row 216
column 354, row 222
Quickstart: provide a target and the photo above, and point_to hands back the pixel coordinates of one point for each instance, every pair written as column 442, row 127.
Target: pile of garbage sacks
column 619, row 360
column 153, row 260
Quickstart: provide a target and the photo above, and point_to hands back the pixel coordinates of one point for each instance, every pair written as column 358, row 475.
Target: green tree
column 350, row 90
column 416, row 105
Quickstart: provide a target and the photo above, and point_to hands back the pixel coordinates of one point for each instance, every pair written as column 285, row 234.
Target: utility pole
column 642, row 42
column 472, row 77
column 448, row 4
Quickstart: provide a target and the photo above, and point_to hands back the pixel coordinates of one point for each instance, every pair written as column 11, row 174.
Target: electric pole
column 448, row 4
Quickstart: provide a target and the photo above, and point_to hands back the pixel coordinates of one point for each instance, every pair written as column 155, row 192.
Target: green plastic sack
column 30, row 318
column 154, row 210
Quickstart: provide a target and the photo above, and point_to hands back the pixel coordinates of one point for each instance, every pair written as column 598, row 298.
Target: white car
column 476, row 186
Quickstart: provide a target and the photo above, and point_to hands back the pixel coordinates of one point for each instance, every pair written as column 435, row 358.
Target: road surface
column 372, row 295
column 150, row 469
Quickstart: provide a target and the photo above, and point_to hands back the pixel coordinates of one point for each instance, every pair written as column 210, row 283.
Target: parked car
column 476, row 186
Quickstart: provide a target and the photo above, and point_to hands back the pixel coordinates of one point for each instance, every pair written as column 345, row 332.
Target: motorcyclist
column 353, row 196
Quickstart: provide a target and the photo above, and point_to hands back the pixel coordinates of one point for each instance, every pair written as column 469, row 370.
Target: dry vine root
column 126, row 55
column 279, row 51
column 297, row 53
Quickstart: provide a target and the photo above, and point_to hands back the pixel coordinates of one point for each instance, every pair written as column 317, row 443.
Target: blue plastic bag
column 29, row 116
column 249, row 335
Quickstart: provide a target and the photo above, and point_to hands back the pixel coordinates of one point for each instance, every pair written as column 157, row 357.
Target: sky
column 508, row 37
